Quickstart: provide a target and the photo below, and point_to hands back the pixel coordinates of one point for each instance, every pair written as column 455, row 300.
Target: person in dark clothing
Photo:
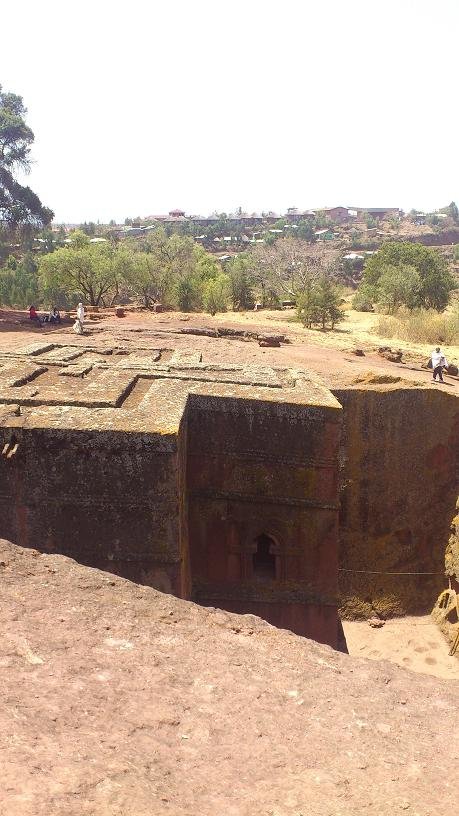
column 54, row 315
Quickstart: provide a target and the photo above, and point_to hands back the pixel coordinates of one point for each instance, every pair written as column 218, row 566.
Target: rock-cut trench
column 399, row 487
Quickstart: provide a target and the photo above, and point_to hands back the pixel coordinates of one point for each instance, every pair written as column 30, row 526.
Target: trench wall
column 446, row 611
column 399, row 485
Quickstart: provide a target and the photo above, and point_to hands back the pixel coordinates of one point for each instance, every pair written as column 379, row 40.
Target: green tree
column 370, row 222
column 216, row 294
column 88, row 228
column 453, row 211
column 241, row 283
column 19, row 205
column 433, row 220
column 436, row 282
column 19, row 282
column 188, row 294
column 398, row 286
column 307, row 307
column 320, row 300
column 144, row 276
column 322, row 220
column 88, row 270
column 170, row 268
column 207, row 267
column 306, row 231
column 328, row 299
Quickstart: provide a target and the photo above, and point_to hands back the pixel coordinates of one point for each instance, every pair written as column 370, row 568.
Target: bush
column 362, row 300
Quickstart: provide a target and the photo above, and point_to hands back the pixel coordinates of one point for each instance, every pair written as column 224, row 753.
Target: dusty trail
column 412, row 642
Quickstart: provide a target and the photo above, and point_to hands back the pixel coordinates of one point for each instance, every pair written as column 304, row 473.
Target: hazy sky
column 141, row 107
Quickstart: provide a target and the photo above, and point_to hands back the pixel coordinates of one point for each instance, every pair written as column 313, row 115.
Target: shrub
column 362, row 300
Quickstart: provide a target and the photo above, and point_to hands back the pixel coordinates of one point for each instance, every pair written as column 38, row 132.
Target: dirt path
column 412, row 642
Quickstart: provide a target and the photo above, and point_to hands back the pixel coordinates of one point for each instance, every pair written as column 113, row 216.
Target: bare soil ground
column 413, row 642
column 118, row 700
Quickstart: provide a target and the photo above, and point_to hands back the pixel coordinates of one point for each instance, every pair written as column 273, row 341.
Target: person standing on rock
column 438, row 364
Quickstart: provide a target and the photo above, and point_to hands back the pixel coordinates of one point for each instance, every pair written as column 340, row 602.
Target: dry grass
column 357, row 329
column 421, row 326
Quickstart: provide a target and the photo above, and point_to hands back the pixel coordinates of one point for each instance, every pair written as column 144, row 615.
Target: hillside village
column 351, row 233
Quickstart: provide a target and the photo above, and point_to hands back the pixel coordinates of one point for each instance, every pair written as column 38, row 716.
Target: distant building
column 339, row 215
column 324, row 234
column 353, row 256
column 293, row 215
column 380, row 213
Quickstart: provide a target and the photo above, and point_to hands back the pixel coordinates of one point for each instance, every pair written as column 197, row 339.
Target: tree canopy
column 19, row 205
column 433, row 284
column 88, row 270
column 19, row 281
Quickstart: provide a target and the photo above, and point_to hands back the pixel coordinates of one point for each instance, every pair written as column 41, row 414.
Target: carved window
column 264, row 559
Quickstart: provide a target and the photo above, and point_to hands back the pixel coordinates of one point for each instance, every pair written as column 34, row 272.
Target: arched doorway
column 264, row 559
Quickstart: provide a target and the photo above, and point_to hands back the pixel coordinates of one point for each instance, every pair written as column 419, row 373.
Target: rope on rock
column 377, row 572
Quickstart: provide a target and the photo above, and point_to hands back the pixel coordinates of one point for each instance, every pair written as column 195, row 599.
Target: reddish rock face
column 213, row 482
column 222, row 482
column 399, row 488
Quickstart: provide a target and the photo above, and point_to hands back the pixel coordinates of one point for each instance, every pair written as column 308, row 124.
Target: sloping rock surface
column 117, row 699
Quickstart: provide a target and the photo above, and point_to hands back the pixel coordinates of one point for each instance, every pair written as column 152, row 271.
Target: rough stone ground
column 329, row 355
column 118, row 700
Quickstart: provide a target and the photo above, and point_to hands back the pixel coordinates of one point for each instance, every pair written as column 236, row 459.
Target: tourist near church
column 439, row 364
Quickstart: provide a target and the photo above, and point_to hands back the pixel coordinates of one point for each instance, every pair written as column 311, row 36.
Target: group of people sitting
column 53, row 316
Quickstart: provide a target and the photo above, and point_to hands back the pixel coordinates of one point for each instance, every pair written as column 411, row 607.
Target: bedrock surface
column 118, row 699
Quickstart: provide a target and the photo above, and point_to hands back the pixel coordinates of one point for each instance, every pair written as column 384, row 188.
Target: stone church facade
column 215, row 483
